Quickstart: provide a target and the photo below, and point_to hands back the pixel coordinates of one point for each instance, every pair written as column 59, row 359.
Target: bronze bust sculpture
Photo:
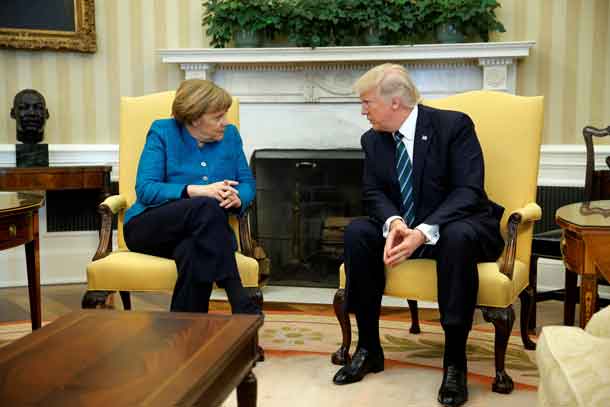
column 30, row 113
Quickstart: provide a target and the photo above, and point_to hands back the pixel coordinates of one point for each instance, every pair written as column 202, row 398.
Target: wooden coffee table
column 127, row 358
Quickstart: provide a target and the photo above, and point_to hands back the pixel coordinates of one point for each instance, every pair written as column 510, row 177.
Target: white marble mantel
column 302, row 97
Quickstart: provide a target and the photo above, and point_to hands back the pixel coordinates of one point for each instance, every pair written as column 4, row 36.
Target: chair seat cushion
column 416, row 280
column 130, row 271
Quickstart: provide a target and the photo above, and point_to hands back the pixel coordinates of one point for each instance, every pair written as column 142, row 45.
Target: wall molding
column 61, row 155
column 561, row 165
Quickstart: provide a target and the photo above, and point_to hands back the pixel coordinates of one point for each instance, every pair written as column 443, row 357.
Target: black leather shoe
column 454, row 390
column 362, row 362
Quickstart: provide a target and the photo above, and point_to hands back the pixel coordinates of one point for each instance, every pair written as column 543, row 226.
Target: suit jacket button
column 205, row 178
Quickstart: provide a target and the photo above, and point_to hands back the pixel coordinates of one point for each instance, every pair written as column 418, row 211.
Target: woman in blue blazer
column 192, row 173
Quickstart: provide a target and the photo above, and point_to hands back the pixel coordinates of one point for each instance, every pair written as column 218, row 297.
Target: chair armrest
column 251, row 248
column 529, row 213
column 245, row 233
column 107, row 209
column 115, row 203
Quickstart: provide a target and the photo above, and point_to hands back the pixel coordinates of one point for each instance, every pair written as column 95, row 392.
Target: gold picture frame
column 82, row 39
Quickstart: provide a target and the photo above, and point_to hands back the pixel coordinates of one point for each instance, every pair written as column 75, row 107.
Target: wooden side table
column 19, row 225
column 130, row 358
column 585, row 247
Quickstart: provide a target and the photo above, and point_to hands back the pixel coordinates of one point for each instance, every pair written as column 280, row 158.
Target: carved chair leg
column 528, row 303
column 126, row 300
column 256, row 295
column 98, row 299
column 569, row 305
column 534, row 285
column 414, row 317
column 341, row 356
column 503, row 320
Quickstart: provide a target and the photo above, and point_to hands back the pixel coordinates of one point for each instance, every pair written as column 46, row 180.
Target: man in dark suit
column 423, row 192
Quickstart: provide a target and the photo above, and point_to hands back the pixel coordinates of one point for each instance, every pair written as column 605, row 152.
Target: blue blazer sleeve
column 151, row 186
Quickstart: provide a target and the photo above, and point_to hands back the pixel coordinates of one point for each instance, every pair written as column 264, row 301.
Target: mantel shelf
column 347, row 54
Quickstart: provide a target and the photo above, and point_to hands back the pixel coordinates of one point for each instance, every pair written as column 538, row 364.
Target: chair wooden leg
column 569, row 305
column 503, row 320
column 98, row 299
column 414, row 317
column 534, row 286
column 341, row 356
column 256, row 295
column 126, row 300
column 528, row 303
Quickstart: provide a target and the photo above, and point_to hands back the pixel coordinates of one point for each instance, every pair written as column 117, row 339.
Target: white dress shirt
column 431, row 232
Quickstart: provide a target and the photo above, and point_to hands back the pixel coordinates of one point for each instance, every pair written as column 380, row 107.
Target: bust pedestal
column 32, row 155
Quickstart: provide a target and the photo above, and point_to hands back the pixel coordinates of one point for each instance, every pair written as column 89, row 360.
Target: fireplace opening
column 304, row 200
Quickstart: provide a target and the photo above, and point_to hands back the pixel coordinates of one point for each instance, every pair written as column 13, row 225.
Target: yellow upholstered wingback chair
column 125, row 271
column 509, row 129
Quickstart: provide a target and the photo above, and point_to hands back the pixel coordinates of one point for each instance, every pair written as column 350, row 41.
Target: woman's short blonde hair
column 390, row 80
column 195, row 97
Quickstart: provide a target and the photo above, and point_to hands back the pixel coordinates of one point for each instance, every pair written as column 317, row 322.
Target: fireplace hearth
column 304, row 200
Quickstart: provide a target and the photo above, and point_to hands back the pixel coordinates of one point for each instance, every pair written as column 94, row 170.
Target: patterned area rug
column 307, row 333
column 298, row 372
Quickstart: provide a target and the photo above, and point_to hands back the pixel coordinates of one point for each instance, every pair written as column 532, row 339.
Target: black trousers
column 196, row 234
column 460, row 247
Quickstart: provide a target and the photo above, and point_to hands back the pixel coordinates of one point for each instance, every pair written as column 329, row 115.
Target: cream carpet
column 298, row 371
column 305, row 381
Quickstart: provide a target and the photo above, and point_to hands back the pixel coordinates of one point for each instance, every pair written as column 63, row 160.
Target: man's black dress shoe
column 362, row 363
column 454, row 390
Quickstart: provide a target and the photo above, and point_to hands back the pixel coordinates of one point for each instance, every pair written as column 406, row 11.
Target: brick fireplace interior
column 304, row 199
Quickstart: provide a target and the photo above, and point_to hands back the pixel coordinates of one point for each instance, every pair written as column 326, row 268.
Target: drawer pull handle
column 12, row 230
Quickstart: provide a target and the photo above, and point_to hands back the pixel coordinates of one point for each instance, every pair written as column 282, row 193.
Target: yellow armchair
column 509, row 129
column 125, row 271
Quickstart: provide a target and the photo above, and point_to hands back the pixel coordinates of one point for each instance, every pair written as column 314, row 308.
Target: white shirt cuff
column 430, row 231
column 386, row 225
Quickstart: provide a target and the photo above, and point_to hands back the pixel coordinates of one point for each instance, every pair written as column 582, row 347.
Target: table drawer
column 573, row 250
column 15, row 230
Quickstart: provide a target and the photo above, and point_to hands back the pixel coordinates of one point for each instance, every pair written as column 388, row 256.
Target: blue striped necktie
column 404, row 169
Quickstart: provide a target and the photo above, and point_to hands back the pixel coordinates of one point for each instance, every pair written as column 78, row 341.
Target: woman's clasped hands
column 223, row 191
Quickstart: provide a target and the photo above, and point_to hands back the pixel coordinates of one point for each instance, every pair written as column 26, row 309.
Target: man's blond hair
column 390, row 80
column 195, row 97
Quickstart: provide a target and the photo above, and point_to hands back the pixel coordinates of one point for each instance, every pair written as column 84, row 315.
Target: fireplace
column 304, row 200
column 301, row 101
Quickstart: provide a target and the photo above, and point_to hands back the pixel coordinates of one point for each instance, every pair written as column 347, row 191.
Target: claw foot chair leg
column 414, row 317
column 528, row 303
column 503, row 320
column 341, row 356
column 98, row 299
